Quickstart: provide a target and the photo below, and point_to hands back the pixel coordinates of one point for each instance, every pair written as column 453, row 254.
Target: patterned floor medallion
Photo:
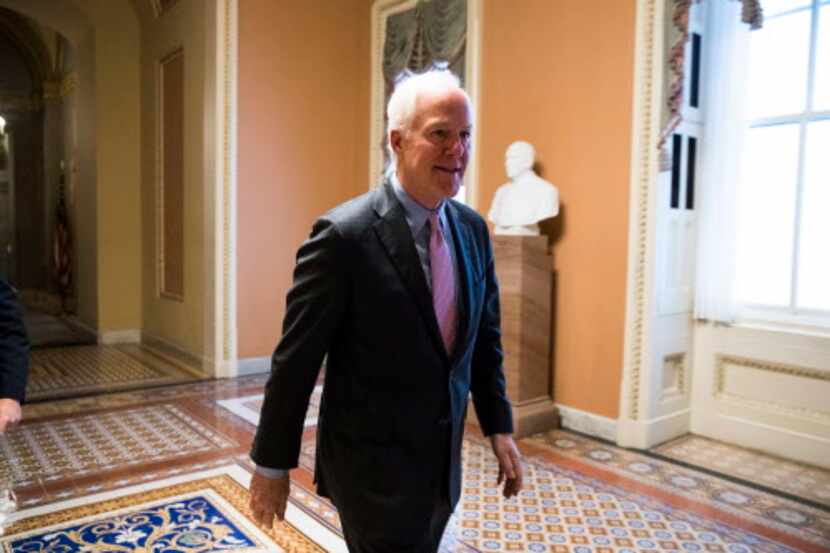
column 198, row 514
column 795, row 478
column 71, row 371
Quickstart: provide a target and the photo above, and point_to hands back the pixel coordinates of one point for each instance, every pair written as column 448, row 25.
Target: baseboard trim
column 78, row 324
column 190, row 360
column 587, row 423
column 253, row 365
column 809, row 448
column 126, row 336
column 648, row 433
column 667, row 427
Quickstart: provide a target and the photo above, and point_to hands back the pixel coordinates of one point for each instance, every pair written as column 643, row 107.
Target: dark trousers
column 427, row 540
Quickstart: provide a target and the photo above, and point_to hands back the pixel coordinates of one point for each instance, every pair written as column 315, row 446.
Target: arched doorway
column 111, row 175
column 36, row 100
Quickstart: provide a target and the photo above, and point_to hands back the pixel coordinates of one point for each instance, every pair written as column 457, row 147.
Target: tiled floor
column 776, row 473
column 75, row 370
column 50, row 330
column 722, row 497
column 167, row 469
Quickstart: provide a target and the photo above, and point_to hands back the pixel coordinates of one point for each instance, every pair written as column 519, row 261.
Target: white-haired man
column 398, row 288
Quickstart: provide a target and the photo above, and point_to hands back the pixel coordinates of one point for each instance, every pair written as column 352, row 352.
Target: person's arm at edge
column 488, row 384
column 314, row 307
column 14, row 357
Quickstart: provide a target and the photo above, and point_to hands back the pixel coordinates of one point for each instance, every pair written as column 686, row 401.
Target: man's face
column 433, row 152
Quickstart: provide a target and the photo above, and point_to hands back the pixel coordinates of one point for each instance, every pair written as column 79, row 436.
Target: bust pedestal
column 524, row 269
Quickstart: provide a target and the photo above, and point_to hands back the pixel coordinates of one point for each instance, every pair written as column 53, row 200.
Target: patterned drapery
column 677, row 33
column 434, row 32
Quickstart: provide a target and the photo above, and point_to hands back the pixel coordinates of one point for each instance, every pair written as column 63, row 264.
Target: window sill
column 772, row 320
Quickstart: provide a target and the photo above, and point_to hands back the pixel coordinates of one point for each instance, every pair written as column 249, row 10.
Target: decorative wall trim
column 676, row 362
column 644, row 156
column 221, row 159
column 69, row 84
column 588, row 423
column 170, row 247
column 52, row 90
column 127, row 336
column 229, row 178
column 780, row 368
column 475, row 18
column 382, row 9
column 720, row 393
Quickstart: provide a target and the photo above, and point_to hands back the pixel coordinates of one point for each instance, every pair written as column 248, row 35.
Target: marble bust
column 520, row 204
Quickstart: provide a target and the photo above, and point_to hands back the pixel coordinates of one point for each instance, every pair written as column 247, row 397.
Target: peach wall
column 560, row 74
column 303, row 136
column 553, row 73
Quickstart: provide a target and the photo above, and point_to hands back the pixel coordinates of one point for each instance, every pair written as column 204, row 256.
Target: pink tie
column 443, row 283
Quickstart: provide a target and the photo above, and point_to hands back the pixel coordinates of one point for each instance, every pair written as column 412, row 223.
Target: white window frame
column 792, row 316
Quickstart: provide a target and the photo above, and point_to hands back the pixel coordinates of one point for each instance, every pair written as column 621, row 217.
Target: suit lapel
column 462, row 239
column 395, row 235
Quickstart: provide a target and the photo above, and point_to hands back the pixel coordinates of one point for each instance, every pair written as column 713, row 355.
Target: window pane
column 766, row 215
column 814, row 263
column 774, row 7
column 779, row 55
column 822, row 91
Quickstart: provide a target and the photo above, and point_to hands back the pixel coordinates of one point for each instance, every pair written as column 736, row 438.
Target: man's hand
column 268, row 498
column 10, row 413
column 510, row 463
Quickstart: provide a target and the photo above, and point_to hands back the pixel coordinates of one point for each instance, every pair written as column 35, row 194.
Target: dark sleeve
column 487, row 381
column 314, row 308
column 14, row 346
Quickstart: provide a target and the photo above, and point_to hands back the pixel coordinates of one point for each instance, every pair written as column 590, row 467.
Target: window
column 783, row 260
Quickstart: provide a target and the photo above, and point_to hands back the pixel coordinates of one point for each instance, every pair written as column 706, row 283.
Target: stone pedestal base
column 528, row 419
column 535, row 417
column 524, row 269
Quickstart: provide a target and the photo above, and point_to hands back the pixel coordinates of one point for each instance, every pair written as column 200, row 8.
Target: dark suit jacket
column 394, row 402
column 14, row 346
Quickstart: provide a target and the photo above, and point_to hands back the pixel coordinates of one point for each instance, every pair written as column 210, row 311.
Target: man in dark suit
column 398, row 287
column 14, row 357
